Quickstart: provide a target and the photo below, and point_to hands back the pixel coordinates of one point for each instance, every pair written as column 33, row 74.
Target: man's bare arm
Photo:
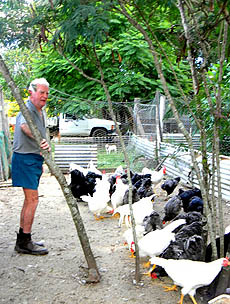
column 43, row 145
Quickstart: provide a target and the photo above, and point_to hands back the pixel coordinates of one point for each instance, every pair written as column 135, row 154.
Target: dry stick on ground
column 93, row 274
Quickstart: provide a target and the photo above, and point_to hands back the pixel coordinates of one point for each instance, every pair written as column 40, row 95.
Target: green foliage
column 19, row 63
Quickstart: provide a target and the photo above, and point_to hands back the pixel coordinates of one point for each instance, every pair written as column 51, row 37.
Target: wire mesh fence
column 136, row 120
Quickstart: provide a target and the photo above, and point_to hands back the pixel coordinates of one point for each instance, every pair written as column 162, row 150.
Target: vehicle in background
column 70, row 125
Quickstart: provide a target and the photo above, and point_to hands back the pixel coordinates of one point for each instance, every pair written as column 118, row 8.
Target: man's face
column 40, row 96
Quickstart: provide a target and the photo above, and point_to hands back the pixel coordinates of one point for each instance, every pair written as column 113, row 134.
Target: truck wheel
column 99, row 133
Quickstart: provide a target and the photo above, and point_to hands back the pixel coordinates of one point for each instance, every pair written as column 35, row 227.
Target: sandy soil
column 59, row 276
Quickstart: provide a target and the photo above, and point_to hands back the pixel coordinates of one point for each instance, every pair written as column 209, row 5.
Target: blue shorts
column 26, row 170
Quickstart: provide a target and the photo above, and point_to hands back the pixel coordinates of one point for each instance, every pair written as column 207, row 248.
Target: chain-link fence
column 144, row 120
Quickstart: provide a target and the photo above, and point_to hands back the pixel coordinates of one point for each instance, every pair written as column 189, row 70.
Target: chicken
column 112, row 182
column 128, row 235
column 172, row 208
column 196, row 204
column 119, row 171
column 192, row 216
column 140, row 209
column 139, row 178
column 152, row 222
column 98, row 203
column 156, row 241
column 118, row 194
column 156, row 176
column 188, row 243
column 73, row 166
column 135, row 196
column 92, row 168
column 190, row 275
column 186, row 196
column 145, row 188
column 81, row 184
column 170, row 184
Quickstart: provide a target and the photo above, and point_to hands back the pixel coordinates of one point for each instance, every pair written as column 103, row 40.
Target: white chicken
column 98, row 203
column 119, row 170
column 189, row 274
column 91, row 167
column 141, row 209
column 74, row 166
column 128, row 234
column 118, row 194
column 156, row 176
column 153, row 243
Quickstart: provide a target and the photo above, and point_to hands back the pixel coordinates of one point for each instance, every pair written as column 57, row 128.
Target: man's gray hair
column 35, row 82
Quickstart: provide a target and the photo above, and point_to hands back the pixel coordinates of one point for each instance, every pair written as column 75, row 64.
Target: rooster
column 170, row 184
column 156, row 176
column 190, row 275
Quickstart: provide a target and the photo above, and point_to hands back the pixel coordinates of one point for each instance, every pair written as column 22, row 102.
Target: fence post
column 138, row 125
column 5, row 146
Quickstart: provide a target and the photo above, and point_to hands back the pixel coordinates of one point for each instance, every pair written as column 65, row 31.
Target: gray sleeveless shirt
column 23, row 143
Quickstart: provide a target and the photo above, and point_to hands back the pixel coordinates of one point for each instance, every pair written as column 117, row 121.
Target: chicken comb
column 131, row 246
column 226, row 262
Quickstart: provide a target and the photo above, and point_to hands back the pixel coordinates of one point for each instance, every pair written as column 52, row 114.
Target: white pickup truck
column 69, row 125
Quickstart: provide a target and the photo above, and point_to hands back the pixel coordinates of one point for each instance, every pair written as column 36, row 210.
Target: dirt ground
column 59, row 276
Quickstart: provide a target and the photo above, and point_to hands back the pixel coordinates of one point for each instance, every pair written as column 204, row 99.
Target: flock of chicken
column 174, row 243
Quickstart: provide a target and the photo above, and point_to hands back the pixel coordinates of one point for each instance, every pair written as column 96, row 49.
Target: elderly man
column 27, row 164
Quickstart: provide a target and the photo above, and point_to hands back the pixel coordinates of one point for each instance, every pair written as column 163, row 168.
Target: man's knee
column 31, row 196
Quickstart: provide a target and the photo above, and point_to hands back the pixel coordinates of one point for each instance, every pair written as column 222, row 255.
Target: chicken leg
column 97, row 218
column 193, row 299
column 181, row 299
column 151, row 270
column 168, row 288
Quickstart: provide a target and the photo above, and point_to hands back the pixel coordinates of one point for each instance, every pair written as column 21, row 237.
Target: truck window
column 70, row 116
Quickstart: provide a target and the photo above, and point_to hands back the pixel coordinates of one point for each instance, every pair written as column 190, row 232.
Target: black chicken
column 112, row 181
column 186, row 196
column 139, row 177
column 196, row 204
column 135, row 196
column 192, row 216
column 188, row 244
column 145, row 188
column 81, row 184
column 170, row 184
column 152, row 222
column 172, row 208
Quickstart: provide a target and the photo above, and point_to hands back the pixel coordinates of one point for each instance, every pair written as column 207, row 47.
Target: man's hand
column 44, row 145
